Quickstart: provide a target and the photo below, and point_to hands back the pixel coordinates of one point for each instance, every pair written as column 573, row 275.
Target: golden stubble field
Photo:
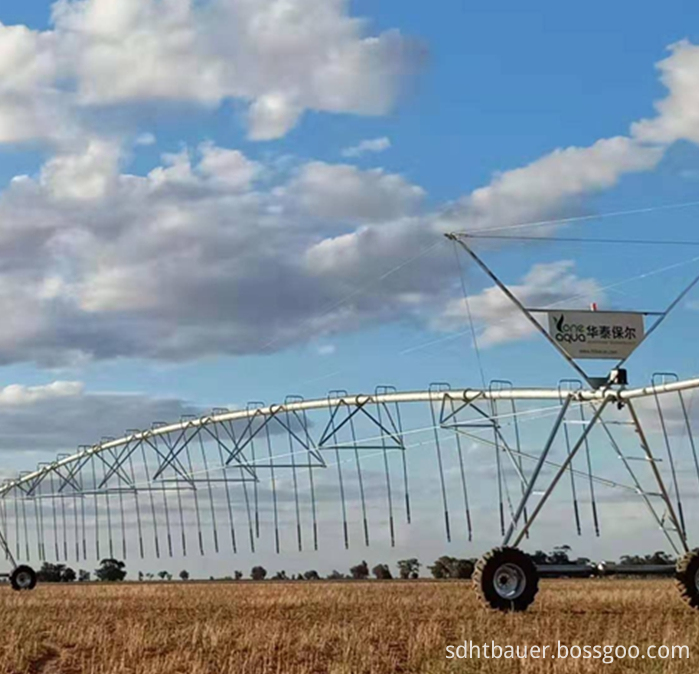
column 339, row 628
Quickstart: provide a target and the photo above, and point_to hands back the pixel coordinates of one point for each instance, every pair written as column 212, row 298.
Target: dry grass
column 339, row 628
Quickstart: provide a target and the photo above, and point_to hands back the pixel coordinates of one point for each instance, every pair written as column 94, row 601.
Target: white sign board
column 596, row 334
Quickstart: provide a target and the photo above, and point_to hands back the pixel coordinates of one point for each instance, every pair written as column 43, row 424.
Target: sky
column 204, row 203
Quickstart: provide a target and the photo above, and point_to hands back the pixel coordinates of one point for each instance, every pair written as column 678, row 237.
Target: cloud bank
column 212, row 252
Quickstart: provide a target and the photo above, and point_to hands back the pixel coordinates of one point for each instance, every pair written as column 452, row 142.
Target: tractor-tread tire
column 686, row 574
column 483, row 579
column 23, row 569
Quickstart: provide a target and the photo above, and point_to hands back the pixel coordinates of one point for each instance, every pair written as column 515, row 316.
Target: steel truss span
column 346, row 469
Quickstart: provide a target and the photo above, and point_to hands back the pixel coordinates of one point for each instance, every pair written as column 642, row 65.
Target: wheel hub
column 23, row 579
column 510, row 581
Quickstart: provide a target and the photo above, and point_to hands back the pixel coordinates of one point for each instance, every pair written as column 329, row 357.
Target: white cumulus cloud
column 373, row 145
column 678, row 112
column 278, row 57
column 545, row 285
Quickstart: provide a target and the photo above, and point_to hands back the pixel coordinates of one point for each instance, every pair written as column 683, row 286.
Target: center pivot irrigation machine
column 213, row 483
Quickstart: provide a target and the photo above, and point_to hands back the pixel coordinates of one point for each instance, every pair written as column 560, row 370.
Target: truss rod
column 341, row 482
column 352, row 402
column 229, row 505
column 561, row 471
column 658, row 477
column 639, row 489
column 540, row 464
column 442, row 482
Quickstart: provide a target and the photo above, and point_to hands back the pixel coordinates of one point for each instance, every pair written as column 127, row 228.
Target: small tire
column 23, row 578
column 687, row 578
column 506, row 579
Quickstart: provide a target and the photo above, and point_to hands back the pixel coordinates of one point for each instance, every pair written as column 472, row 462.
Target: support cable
column 671, row 460
column 3, row 515
column 591, row 482
column 275, row 507
column 464, row 488
column 294, row 475
column 387, row 471
column 498, row 466
column 360, row 479
column 243, row 479
column 573, row 489
column 333, row 431
column 97, row 519
column 122, row 514
column 39, row 503
column 55, row 519
column 156, row 539
column 440, row 466
column 518, row 446
column 26, row 529
column 688, row 426
column 209, row 487
column 309, row 458
column 138, row 507
column 195, row 495
column 165, row 504
column 231, row 518
column 472, row 326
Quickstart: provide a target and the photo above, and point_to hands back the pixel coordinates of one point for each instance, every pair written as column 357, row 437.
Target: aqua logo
column 569, row 332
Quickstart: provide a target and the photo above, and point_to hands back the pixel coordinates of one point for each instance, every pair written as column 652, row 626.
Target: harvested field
column 340, row 628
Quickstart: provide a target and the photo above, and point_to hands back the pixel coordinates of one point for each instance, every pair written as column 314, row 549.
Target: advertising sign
column 596, row 334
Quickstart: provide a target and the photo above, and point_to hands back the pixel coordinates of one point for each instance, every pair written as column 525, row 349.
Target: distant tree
column 258, row 573
column 238, row 575
column 463, row 568
column 409, row 568
column 55, row 573
column 51, row 573
column 311, row 575
column 162, row 575
column 298, row 576
column 382, row 572
column 660, row 557
column 111, row 570
column 560, row 555
column 360, row 572
column 657, row 558
column 336, row 575
column 441, row 568
column 280, row 575
column 184, row 574
column 452, row 567
column 150, row 576
column 83, row 576
column 140, row 575
column 540, row 558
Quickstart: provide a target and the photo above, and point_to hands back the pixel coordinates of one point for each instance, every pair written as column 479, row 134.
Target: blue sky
column 218, row 259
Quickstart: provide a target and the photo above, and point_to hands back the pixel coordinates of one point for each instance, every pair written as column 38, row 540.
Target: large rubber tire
column 687, row 578
column 23, row 578
column 506, row 579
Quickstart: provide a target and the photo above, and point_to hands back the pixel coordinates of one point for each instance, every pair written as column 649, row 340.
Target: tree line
column 114, row 570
